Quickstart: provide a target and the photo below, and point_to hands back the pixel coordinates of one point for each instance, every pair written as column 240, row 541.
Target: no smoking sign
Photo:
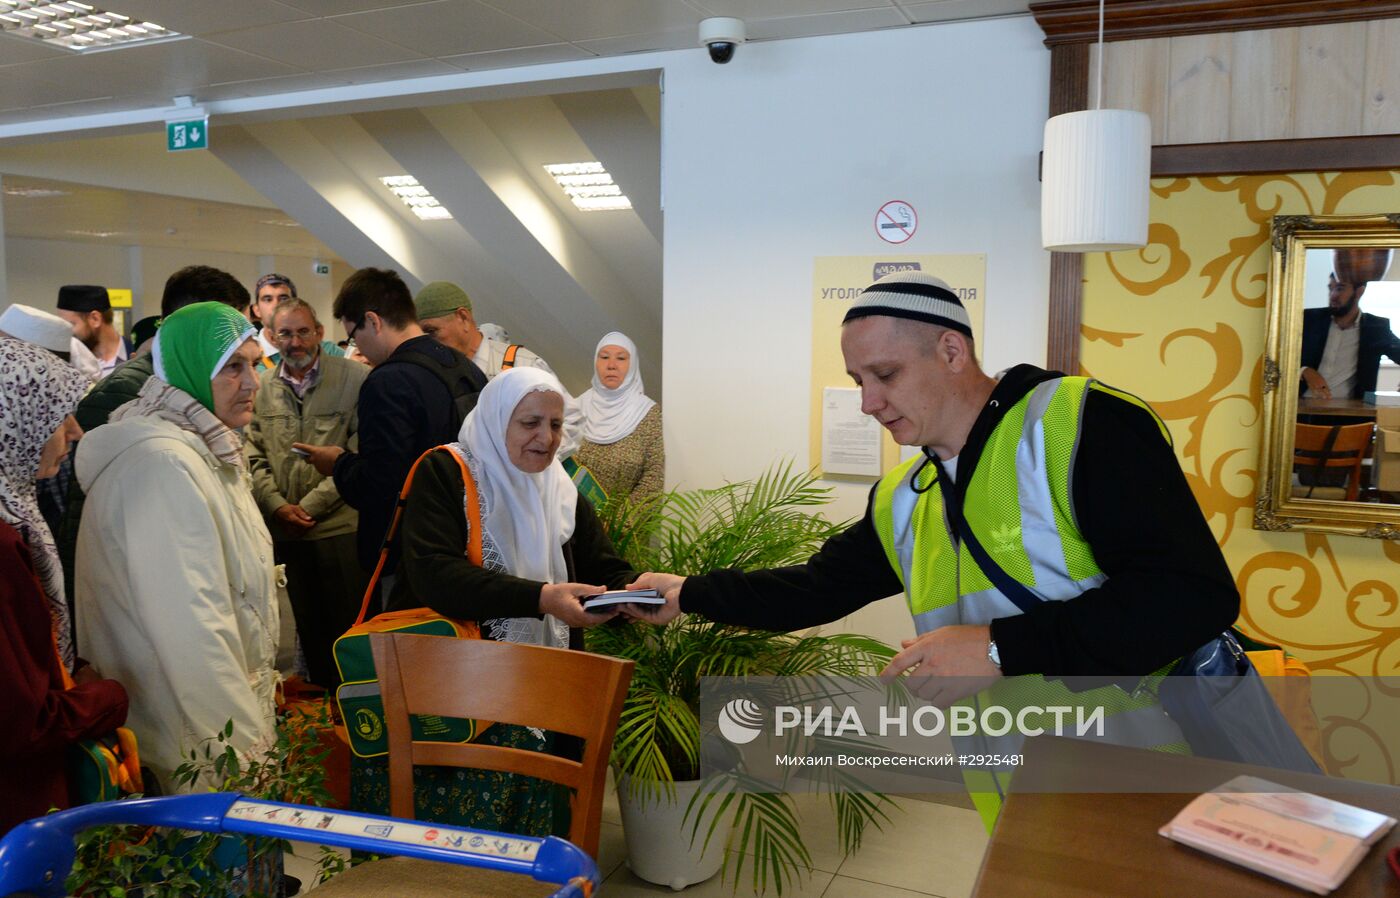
column 896, row 221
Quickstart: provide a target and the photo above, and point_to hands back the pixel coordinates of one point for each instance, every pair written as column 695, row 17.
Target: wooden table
column 1350, row 408
column 1077, row 843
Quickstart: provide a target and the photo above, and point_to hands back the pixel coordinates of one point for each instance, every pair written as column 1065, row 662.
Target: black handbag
column 1213, row 694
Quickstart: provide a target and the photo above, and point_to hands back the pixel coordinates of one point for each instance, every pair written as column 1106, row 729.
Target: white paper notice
column 850, row 439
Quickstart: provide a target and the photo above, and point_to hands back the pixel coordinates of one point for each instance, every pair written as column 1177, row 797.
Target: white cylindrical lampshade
column 1095, row 181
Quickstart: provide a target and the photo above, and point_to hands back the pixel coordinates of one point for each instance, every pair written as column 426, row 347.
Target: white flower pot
column 659, row 846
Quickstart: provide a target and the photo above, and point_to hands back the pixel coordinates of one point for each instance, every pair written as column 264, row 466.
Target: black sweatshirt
column 435, row 572
column 404, row 411
column 1168, row 589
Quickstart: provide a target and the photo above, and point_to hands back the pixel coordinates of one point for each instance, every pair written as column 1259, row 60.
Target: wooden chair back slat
column 560, row 690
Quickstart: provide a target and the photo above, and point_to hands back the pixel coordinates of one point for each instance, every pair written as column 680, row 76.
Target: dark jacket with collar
column 1377, row 339
column 404, row 410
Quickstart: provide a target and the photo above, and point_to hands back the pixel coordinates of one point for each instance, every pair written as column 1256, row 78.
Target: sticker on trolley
column 401, row 832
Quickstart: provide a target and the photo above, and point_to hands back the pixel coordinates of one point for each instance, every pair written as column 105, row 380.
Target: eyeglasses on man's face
column 303, row 334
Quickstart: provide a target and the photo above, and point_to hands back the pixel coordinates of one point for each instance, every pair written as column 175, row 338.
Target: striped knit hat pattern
column 914, row 295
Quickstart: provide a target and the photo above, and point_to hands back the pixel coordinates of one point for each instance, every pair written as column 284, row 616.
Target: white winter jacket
column 175, row 590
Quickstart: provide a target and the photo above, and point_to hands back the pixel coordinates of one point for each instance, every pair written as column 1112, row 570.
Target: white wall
column 35, row 270
column 784, row 155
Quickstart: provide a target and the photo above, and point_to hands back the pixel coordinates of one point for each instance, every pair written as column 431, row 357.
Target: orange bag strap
column 509, row 361
column 473, row 510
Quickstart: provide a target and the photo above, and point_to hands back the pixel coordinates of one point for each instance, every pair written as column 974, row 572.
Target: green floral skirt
column 478, row 799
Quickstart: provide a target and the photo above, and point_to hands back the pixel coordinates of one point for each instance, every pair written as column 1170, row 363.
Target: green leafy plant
column 768, row 522
column 153, row 862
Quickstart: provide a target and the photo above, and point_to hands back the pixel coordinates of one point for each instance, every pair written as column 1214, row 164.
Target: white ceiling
column 42, row 209
column 250, row 48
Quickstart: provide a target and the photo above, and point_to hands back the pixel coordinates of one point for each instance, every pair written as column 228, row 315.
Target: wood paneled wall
column 1330, row 80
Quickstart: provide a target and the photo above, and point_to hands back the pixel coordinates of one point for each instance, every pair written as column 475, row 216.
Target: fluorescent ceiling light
column 589, row 185
column 416, row 197
column 76, row 26
column 34, row 192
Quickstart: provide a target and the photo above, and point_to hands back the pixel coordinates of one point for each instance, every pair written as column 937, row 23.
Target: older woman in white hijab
column 543, row 553
column 622, row 443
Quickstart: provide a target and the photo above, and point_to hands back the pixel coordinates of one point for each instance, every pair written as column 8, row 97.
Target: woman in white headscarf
column 175, row 582
column 622, row 443
column 543, row 552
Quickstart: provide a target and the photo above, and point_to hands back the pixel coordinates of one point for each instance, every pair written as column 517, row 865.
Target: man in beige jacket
column 309, row 397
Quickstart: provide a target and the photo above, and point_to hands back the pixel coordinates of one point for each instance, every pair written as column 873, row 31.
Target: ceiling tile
column 316, row 44
column 261, row 87
column 200, row 17
column 81, row 76
column 504, row 59
column 339, row 7
column 183, row 67
column 752, row 10
column 18, row 90
column 448, row 28
column 579, row 21
column 952, row 10
column 670, row 39
column 394, row 71
column 17, row 49
column 829, row 23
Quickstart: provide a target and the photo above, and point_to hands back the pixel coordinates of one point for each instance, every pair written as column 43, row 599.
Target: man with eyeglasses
column 416, row 398
column 271, row 291
column 308, row 397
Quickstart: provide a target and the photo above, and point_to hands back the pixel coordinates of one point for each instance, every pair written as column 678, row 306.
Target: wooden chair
column 1348, row 449
column 563, row 691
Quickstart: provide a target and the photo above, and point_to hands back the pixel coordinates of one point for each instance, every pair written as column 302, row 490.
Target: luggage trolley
column 35, row 857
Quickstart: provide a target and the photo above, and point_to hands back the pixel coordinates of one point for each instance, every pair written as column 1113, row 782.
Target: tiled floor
column 930, row 848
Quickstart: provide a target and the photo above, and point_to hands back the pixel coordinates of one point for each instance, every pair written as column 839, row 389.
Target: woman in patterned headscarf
column 175, row 583
column 38, row 393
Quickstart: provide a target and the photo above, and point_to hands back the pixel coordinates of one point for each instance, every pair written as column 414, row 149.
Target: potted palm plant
column 768, row 522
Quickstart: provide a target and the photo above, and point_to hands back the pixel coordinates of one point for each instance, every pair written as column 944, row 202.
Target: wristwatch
column 993, row 655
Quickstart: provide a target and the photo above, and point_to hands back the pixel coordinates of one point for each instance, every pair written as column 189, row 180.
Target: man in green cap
column 445, row 314
column 176, row 590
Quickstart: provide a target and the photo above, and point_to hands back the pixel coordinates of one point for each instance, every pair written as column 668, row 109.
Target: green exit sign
column 190, row 135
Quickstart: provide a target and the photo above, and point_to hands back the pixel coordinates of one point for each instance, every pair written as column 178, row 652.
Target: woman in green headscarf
column 175, row 584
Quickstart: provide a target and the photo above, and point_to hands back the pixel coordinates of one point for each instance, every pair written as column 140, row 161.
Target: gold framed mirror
column 1330, row 451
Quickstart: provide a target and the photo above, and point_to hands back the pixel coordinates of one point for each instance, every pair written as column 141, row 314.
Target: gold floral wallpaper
column 1181, row 323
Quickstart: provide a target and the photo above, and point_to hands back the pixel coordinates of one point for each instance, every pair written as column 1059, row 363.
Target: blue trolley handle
column 35, row 857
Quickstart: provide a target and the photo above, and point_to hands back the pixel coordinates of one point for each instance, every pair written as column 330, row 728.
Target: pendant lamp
column 1095, row 177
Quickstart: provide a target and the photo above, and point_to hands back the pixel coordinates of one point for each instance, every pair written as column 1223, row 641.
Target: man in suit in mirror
column 1342, row 345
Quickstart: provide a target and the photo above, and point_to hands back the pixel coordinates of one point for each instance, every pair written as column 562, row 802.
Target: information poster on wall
column 836, row 282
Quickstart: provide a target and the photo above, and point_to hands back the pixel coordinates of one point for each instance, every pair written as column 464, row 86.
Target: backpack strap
column 508, row 361
column 473, row 511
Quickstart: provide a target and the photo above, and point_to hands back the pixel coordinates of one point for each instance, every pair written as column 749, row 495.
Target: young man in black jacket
column 415, row 398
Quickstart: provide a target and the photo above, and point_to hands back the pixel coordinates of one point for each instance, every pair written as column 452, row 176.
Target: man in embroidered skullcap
column 1044, row 528
column 89, row 309
column 175, row 584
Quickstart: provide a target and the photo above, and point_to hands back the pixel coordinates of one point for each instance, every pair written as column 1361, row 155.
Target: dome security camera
column 720, row 35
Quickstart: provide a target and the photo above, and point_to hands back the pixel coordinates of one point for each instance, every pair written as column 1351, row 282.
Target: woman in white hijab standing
column 543, row 551
column 622, row 443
